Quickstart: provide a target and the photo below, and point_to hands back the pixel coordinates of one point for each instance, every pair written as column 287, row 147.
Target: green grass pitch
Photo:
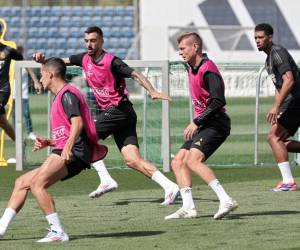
column 131, row 217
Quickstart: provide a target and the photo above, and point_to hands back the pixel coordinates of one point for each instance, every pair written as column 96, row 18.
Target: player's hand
column 40, row 143
column 273, row 115
column 158, row 95
column 67, row 154
column 38, row 87
column 189, row 131
column 38, row 57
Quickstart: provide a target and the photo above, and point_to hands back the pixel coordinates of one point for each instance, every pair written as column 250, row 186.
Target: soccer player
column 6, row 55
column 284, row 114
column 105, row 75
column 74, row 142
column 208, row 130
column 25, row 99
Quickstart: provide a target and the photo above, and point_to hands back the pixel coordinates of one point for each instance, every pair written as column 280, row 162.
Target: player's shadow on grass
column 116, row 235
column 25, row 238
column 239, row 216
column 100, row 235
column 145, row 200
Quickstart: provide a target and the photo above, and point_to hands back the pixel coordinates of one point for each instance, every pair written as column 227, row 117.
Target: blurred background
column 57, row 27
column 147, row 30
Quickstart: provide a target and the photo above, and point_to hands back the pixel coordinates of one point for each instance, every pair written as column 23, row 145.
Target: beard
column 91, row 52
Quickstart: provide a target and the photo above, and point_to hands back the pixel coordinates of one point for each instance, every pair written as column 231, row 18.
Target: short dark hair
column 195, row 36
column 56, row 64
column 94, row 29
column 267, row 28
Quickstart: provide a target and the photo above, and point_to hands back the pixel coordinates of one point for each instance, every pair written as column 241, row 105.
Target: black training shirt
column 71, row 105
column 278, row 62
column 6, row 55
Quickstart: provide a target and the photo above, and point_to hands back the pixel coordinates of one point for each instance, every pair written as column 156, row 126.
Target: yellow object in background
column 11, row 44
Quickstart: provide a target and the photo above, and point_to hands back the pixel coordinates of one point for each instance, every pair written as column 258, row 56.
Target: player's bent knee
column 176, row 165
column 21, row 183
column 272, row 138
column 37, row 184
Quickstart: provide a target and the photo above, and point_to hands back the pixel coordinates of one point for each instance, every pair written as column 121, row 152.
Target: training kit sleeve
column 214, row 85
column 76, row 59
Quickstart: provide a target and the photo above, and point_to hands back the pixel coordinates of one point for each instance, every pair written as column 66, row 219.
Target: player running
column 74, row 142
column 208, row 130
column 105, row 75
column 6, row 55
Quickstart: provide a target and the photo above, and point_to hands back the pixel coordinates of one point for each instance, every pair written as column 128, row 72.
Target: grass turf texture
column 131, row 218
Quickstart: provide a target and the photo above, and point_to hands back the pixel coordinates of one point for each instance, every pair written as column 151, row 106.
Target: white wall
column 157, row 16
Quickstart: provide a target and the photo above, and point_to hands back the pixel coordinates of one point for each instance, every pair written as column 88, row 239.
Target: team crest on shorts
column 198, row 143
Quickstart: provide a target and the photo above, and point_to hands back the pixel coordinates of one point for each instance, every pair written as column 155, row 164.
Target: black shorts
column 4, row 96
column 119, row 121
column 75, row 166
column 210, row 136
column 290, row 117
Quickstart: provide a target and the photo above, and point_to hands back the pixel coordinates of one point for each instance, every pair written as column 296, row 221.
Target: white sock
column 187, row 198
column 8, row 215
column 54, row 222
column 162, row 180
column 286, row 173
column 219, row 190
column 102, row 172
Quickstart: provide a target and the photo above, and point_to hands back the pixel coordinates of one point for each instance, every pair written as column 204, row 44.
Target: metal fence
column 160, row 124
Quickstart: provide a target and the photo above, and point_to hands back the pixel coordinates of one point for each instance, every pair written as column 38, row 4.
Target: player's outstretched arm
column 148, row 86
column 40, row 58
